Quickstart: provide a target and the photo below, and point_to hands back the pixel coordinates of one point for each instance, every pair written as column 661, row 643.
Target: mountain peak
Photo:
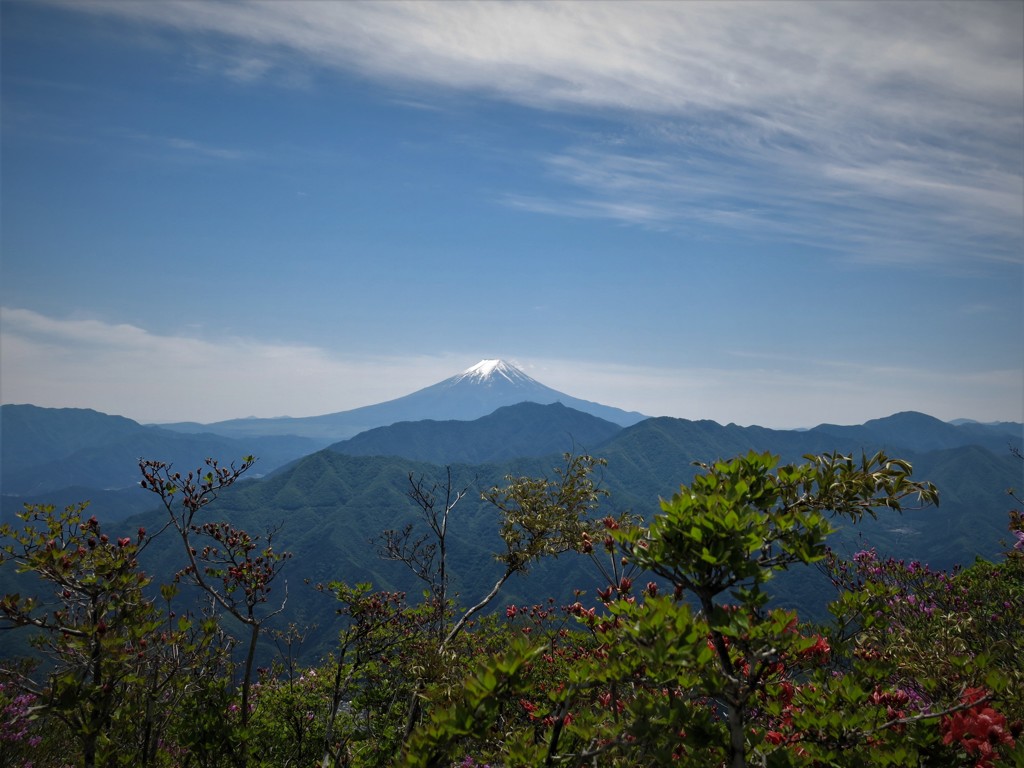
column 486, row 367
column 487, row 371
column 476, row 392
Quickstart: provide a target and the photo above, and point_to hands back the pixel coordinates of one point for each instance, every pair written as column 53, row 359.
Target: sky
column 757, row 212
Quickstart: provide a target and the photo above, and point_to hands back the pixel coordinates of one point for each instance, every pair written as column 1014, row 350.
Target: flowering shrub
column 21, row 736
column 15, row 717
column 687, row 664
column 978, row 729
column 947, row 631
column 718, row 680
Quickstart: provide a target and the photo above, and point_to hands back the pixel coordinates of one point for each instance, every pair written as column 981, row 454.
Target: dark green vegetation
column 371, row 660
column 914, row 667
column 330, row 508
column 47, row 450
column 526, row 429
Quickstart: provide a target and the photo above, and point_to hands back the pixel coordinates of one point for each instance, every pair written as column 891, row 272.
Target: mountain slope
column 476, row 392
column 920, row 432
column 47, row 449
column 329, row 509
column 526, row 429
column 644, row 454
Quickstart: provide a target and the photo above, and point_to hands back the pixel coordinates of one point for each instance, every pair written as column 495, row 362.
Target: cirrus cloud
column 883, row 131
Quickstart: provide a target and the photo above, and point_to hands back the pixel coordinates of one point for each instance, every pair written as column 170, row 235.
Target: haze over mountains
column 489, row 412
column 47, row 449
column 475, row 392
column 330, row 494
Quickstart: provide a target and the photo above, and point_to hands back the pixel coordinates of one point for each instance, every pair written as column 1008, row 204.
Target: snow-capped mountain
column 487, row 372
column 476, row 392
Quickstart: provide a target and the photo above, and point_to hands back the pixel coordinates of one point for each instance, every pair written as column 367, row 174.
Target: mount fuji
column 476, row 392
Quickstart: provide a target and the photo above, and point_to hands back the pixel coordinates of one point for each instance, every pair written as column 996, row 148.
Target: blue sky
column 768, row 213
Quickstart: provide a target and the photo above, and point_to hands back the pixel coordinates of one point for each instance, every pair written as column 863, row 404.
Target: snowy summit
column 488, row 371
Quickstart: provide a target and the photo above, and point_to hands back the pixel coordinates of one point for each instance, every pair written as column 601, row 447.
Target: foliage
column 681, row 657
column 228, row 555
column 725, row 679
column 116, row 670
column 95, row 632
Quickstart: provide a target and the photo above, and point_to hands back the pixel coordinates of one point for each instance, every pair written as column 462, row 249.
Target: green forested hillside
column 49, row 449
column 526, row 429
column 329, row 509
column 675, row 629
column 914, row 431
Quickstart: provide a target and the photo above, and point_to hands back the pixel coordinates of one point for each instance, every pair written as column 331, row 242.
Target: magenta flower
column 1020, row 540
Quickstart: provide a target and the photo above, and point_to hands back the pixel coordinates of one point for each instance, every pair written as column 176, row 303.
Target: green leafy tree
column 679, row 675
column 722, row 538
column 96, row 626
column 427, row 644
column 693, row 668
column 121, row 671
column 538, row 517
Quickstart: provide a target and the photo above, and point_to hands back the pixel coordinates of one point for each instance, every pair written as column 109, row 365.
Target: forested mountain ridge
column 329, row 509
column 525, row 429
column 63, row 455
column 919, row 432
column 330, row 512
column 46, row 449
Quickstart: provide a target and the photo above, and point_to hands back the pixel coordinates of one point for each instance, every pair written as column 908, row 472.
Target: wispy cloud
column 891, row 211
column 793, row 66
column 194, row 147
column 185, row 148
column 124, row 369
column 888, row 131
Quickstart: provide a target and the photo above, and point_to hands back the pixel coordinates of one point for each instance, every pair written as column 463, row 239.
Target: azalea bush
column 678, row 657
column 703, row 671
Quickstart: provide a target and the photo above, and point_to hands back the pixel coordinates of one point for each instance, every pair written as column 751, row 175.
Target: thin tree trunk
column 414, row 700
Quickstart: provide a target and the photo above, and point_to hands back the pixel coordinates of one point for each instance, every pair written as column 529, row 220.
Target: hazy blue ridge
column 329, row 507
column 459, row 398
column 46, row 449
column 525, row 429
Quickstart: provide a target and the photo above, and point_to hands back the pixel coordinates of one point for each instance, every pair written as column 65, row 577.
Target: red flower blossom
column 979, row 730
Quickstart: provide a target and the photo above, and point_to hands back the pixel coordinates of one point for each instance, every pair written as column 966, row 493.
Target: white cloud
column 123, row 369
column 184, row 148
column 188, row 145
column 893, row 210
column 782, row 62
column 889, row 130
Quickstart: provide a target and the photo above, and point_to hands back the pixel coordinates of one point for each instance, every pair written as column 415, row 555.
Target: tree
column 675, row 680
column 537, row 517
column 97, row 628
column 226, row 563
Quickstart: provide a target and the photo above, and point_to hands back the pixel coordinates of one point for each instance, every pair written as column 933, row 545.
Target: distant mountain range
column 526, row 429
column 330, row 498
column 60, row 454
column 476, row 392
column 46, row 449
